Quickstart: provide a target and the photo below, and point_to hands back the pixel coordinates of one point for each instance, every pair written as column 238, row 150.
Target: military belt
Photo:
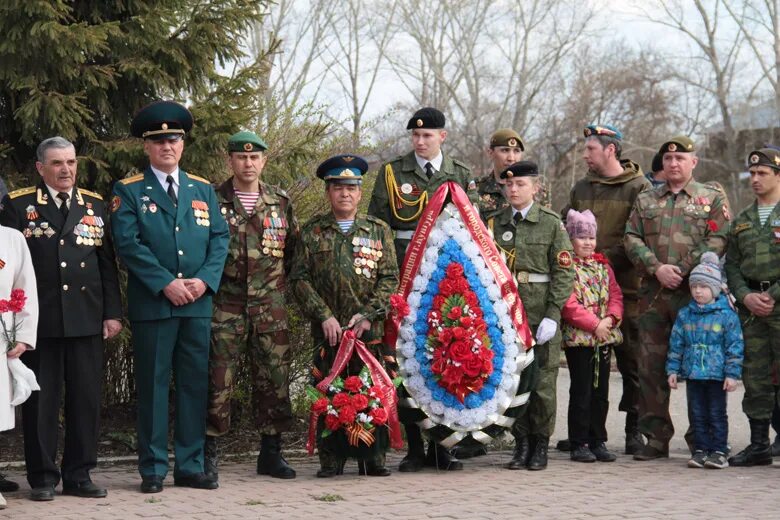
column 762, row 285
column 526, row 277
column 403, row 234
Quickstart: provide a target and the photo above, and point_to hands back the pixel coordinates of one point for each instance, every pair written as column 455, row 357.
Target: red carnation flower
column 399, row 305
column 359, row 402
column 380, row 416
column 341, row 399
column 347, row 414
column 332, row 422
column 376, row 392
column 5, row 306
column 18, row 299
column 353, row 383
column 454, row 270
column 320, row 405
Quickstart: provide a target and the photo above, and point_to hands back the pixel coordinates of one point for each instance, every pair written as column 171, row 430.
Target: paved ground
column 659, row 489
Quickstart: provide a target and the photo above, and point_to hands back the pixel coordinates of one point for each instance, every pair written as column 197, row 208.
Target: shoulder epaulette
column 714, row 185
column 461, row 164
column 91, row 193
column 372, row 218
column 549, row 211
column 131, row 180
column 21, row 191
column 199, row 179
column 279, row 191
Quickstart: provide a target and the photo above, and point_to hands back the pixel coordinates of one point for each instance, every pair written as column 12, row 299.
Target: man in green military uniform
column 343, row 274
column 539, row 255
column 250, row 313
column 169, row 232
column 609, row 190
column 669, row 228
column 506, row 148
column 753, row 271
column 400, row 195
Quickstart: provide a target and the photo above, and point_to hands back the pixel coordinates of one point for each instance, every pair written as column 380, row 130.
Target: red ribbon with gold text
column 481, row 237
column 349, row 344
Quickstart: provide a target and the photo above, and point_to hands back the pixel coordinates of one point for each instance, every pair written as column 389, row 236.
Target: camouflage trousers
column 626, row 355
column 268, row 355
column 762, row 357
column 658, row 310
column 538, row 416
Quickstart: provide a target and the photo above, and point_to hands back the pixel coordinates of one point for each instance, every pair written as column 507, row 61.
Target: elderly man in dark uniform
column 170, row 234
column 79, row 302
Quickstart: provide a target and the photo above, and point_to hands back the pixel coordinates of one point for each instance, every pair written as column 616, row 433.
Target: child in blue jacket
column 706, row 349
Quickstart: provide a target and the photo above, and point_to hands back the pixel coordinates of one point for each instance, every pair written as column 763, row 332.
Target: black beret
column 521, row 169
column 426, row 118
column 658, row 162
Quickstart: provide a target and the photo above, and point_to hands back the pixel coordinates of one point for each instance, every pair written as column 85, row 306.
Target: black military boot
column 634, row 439
column 270, row 460
column 521, row 454
column 440, row 458
column 210, row 458
column 758, row 453
column 538, row 458
column 775, row 447
column 415, row 455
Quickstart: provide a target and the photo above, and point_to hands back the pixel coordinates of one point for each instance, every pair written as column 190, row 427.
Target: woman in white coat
column 16, row 272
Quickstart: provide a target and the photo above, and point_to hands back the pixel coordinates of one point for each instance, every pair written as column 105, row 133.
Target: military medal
column 507, row 236
column 37, row 232
column 49, row 232
column 31, row 213
column 201, row 212
column 153, row 207
column 406, row 188
column 143, row 208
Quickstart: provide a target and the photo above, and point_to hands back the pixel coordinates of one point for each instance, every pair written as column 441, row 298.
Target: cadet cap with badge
column 246, row 142
column 343, row 169
column 679, row 144
column 427, row 117
column 521, row 169
column 161, row 120
column 605, row 130
column 769, row 157
column 506, row 137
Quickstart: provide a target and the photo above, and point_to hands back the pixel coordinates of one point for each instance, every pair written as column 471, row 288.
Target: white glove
column 23, row 381
column 546, row 330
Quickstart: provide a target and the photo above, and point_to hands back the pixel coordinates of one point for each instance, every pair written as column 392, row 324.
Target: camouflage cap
column 765, row 157
column 521, row 169
column 426, row 117
column 678, row 143
column 246, row 142
column 605, row 130
column 506, row 137
column 343, row 169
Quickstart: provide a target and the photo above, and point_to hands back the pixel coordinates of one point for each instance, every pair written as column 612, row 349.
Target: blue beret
column 605, row 130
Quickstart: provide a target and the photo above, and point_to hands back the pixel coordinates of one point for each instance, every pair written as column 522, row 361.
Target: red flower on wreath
column 341, row 399
column 379, row 416
column 332, row 422
column 353, row 383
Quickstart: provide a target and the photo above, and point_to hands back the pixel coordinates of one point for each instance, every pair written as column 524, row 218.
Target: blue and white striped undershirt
column 764, row 212
column 345, row 224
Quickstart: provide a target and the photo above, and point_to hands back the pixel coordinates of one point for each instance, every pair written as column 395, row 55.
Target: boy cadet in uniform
column 753, row 271
column 250, row 313
column 669, row 228
column 400, row 195
column 539, row 254
column 171, row 236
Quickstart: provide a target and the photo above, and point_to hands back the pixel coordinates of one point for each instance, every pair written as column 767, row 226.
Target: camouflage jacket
column 538, row 245
column 668, row 228
column 491, row 196
column 337, row 274
column 754, row 252
column 259, row 256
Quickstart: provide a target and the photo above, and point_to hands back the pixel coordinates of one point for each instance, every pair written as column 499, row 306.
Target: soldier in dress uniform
column 753, row 271
column 344, row 272
column 538, row 253
column 400, row 195
column 506, row 148
column 170, row 234
column 78, row 296
column 669, row 228
column 250, row 312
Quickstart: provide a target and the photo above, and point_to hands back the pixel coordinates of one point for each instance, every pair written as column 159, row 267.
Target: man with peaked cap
column 538, row 253
column 344, row 272
column 506, row 148
column 250, row 312
column 753, row 271
column 403, row 187
column 609, row 190
column 669, row 228
column 170, row 234
column 79, row 307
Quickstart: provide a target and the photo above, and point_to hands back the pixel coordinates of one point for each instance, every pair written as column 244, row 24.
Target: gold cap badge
column 248, row 147
column 672, row 147
column 754, row 158
column 419, row 122
column 164, row 126
column 512, row 142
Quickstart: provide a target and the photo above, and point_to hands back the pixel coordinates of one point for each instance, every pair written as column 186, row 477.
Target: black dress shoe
column 195, row 480
column 372, row 470
column 7, row 486
column 411, row 463
column 152, row 484
column 42, row 494
column 85, row 489
column 438, row 457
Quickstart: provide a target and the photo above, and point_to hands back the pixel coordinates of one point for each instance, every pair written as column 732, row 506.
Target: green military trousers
column 180, row 346
column 762, row 355
column 538, row 416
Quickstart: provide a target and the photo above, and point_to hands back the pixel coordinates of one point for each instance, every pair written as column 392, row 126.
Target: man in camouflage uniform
column 343, row 274
column 668, row 230
column 539, row 254
column 250, row 315
column 400, row 195
column 753, row 270
column 609, row 190
column 506, row 148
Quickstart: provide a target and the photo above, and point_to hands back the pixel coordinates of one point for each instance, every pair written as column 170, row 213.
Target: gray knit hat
column 708, row 273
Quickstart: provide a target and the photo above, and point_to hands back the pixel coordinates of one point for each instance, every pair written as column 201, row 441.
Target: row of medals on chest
column 274, row 231
column 367, row 253
column 89, row 230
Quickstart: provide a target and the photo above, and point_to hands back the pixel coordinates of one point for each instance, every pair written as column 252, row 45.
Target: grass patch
column 254, row 503
column 329, row 497
column 153, row 500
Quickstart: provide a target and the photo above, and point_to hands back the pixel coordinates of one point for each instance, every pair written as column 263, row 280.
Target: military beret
column 343, row 169
column 160, row 120
column 678, row 143
column 765, row 157
column 246, row 142
column 521, row 169
column 506, row 137
column 426, row 118
column 605, row 130
column 658, row 162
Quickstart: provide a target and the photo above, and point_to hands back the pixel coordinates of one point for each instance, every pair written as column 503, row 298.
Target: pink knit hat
column 581, row 225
